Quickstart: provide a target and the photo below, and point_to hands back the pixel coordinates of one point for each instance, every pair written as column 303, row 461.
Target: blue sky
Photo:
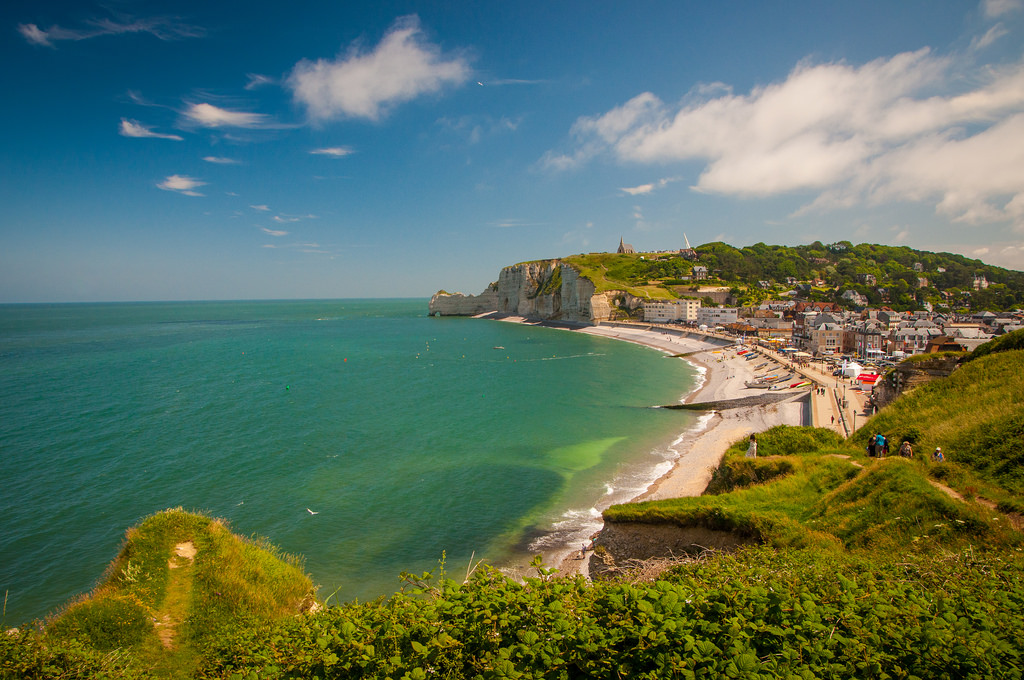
column 182, row 150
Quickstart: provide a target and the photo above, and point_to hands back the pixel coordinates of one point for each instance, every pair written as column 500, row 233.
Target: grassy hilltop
column 899, row 277
column 860, row 568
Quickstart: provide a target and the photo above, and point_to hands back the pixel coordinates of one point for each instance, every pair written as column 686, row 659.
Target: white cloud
column 645, row 189
column 220, row 160
column 997, row 8
column 131, row 128
column 333, row 151
column 256, row 80
column 34, row 34
column 476, row 128
column 208, row 115
column 368, row 84
column 593, row 135
column 978, row 252
column 641, row 190
column 877, row 132
column 181, row 184
column 991, row 35
column 164, row 28
column 274, row 232
column 261, row 208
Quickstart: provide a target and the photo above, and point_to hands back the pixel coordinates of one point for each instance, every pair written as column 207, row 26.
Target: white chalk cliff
column 546, row 289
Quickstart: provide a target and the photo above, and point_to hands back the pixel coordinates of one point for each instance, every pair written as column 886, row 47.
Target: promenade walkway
column 841, row 408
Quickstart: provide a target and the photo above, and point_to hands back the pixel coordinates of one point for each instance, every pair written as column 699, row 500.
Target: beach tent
column 852, row 369
column 868, row 378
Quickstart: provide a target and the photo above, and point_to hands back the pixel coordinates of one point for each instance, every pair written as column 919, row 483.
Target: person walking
column 752, row 447
column 906, row 451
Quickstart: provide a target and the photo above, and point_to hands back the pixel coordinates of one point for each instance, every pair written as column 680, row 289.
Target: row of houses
column 689, row 312
column 825, row 329
column 874, row 333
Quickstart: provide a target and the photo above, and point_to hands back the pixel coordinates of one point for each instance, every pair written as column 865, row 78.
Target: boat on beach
column 768, row 381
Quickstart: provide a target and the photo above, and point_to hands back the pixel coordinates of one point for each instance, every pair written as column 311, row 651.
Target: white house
column 666, row 311
column 717, row 316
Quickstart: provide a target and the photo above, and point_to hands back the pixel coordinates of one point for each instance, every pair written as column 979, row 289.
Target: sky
column 154, row 150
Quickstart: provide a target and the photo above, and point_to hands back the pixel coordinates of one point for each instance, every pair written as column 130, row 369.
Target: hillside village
column 844, row 306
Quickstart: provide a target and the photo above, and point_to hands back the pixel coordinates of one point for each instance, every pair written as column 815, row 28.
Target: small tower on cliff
column 625, row 248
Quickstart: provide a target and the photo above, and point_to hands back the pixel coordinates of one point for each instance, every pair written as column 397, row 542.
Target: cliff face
column 548, row 289
column 910, row 374
column 457, row 304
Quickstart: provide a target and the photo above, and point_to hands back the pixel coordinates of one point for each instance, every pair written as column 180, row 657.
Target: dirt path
column 952, row 493
column 179, row 591
column 175, row 659
column 1016, row 520
column 843, row 455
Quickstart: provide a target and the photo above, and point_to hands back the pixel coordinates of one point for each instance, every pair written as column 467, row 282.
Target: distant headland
column 628, row 285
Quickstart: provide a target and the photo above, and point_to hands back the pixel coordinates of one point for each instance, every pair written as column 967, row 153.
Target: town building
column 669, row 311
column 717, row 316
column 825, row 339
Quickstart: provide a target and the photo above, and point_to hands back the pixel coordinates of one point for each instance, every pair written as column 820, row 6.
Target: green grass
column 613, row 271
column 759, row 613
column 975, row 415
column 232, row 583
column 832, row 498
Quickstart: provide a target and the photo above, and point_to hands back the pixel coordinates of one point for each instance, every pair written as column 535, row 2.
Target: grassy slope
column 232, row 582
column 976, row 415
column 611, row 271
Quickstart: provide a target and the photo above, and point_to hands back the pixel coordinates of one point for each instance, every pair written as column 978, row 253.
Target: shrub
column 105, row 622
column 735, row 473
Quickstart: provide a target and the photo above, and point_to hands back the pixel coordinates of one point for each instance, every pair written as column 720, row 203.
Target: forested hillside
column 899, row 277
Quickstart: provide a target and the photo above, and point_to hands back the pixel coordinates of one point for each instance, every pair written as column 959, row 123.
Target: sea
column 364, row 435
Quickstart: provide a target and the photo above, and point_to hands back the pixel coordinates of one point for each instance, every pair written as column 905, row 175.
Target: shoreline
column 701, row 449
column 701, row 446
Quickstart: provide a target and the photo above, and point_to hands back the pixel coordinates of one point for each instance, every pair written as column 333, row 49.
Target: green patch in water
column 582, row 456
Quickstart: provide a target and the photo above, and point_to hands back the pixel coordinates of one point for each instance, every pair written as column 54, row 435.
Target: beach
column 701, row 447
column 724, row 374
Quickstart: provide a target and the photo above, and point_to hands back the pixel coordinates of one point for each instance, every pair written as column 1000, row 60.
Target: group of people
column 878, row 447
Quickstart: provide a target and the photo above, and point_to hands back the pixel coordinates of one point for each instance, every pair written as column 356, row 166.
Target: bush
column 736, row 473
column 760, row 613
column 105, row 622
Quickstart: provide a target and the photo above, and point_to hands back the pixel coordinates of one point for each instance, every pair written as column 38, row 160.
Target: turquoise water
column 408, row 435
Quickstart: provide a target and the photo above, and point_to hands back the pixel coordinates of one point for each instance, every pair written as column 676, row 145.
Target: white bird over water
column 312, row 512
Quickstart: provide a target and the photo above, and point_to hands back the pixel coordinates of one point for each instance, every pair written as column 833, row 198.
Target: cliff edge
column 545, row 289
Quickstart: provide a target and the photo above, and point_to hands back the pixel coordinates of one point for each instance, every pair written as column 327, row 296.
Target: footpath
column 843, row 406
